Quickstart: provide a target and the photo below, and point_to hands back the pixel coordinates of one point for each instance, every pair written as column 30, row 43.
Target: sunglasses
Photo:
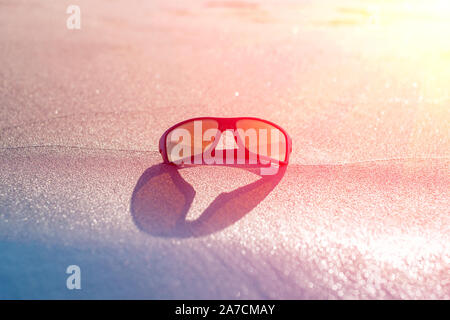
column 209, row 140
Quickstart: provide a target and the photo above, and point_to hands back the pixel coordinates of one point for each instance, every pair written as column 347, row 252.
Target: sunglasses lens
column 262, row 139
column 186, row 140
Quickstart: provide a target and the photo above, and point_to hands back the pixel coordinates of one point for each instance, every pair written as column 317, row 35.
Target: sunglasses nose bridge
column 225, row 126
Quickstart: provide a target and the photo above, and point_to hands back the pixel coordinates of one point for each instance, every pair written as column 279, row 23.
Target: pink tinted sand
column 361, row 212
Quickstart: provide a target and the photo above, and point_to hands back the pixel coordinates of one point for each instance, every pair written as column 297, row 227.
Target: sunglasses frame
column 224, row 124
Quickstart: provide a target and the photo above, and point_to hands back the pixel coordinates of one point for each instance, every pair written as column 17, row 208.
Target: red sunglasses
column 256, row 141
